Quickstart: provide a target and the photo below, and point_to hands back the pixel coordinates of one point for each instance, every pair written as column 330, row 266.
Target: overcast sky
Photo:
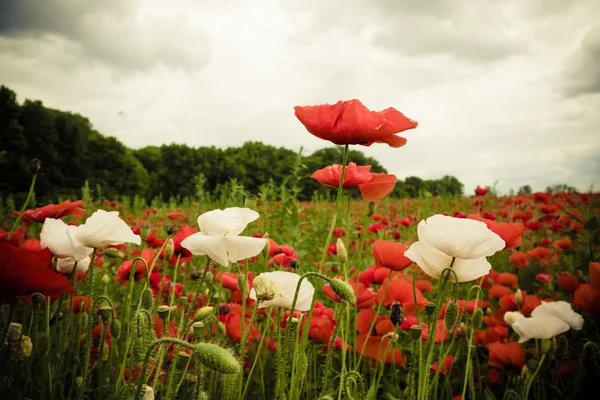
column 505, row 91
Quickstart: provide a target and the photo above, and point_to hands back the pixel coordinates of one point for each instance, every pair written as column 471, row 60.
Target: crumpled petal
column 213, row 246
column 542, row 327
column 559, row 309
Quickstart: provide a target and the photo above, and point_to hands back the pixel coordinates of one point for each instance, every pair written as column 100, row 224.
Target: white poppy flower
column 540, row 327
column 442, row 238
column 286, row 283
column 100, row 230
column 218, row 237
column 559, row 309
column 511, row 317
column 54, row 237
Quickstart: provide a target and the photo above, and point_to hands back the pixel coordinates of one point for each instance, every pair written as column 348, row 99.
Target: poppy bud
column 477, row 318
column 169, row 249
column 267, row 249
column 183, row 301
column 451, row 316
column 396, row 313
column 532, row 364
column 546, row 345
column 250, row 201
column 519, row 298
column 415, row 332
column 265, row 288
column 216, row 358
column 115, row 328
column 113, row 253
column 342, row 254
column 343, row 290
column 35, row 165
column 429, row 308
column 525, row 370
column 163, row 311
column 203, row 313
column 79, row 381
column 147, row 299
column 221, row 328
column 105, row 279
column 105, row 313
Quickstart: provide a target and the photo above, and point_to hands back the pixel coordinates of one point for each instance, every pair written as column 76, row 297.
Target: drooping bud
column 429, row 308
column 35, row 165
column 250, row 201
column 477, row 318
column 415, row 332
column 115, row 328
column 163, row 311
column 524, row 370
column 147, row 299
column 79, row 381
column 105, row 313
column 343, row 290
column 266, row 289
column 216, row 358
column 145, row 231
column 519, row 298
column 451, row 317
column 203, row 313
column 342, row 254
column 169, row 249
column 396, row 314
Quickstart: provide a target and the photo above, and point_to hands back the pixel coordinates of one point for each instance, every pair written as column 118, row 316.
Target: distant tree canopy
column 72, row 153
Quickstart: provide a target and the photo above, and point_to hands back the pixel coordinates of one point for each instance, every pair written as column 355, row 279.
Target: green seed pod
column 182, row 360
column 163, row 312
column 216, row 358
column 451, row 316
column 477, row 318
column 250, row 201
column 546, row 345
column 430, row 308
column 147, row 299
column 105, row 313
column 183, row 301
column 198, row 328
column 115, row 328
column 415, row 332
column 532, row 364
column 202, row 313
column 343, row 290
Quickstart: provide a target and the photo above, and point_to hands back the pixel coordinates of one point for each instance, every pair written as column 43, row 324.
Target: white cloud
column 480, row 77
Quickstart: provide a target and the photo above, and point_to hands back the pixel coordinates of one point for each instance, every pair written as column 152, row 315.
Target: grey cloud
column 110, row 31
column 582, row 74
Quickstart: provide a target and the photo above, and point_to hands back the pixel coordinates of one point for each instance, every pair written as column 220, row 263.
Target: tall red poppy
column 373, row 186
column 390, row 255
column 23, row 273
column 509, row 232
column 350, row 122
column 58, row 211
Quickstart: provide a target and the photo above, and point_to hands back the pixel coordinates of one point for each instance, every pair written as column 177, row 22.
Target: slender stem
column 262, row 338
column 88, row 344
column 27, row 200
column 243, row 343
column 530, row 381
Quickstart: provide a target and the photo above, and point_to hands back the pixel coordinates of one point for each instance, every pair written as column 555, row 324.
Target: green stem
column 88, row 344
column 530, row 381
column 262, row 338
column 27, row 200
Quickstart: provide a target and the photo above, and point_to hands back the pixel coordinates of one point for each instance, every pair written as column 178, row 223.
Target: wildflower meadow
column 266, row 295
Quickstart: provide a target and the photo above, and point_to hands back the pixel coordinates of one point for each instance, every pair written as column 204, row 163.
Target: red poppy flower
column 233, row 324
column 540, row 254
column 506, row 355
column 375, row 343
column 390, row 255
column 322, row 324
column 23, row 273
column 509, row 232
column 373, row 186
column 366, row 297
column 587, row 296
column 140, row 268
column 350, row 122
column 57, row 211
column 402, row 291
column 446, row 365
column 567, row 282
column 519, row 260
column 481, row 191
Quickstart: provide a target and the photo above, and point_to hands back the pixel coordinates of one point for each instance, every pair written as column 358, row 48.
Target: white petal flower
column 54, row 237
column 443, row 238
column 100, row 230
column 540, row 327
column 218, row 237
column 559, row 309
column 65, row 265
column 286, row 283
column 511, row 317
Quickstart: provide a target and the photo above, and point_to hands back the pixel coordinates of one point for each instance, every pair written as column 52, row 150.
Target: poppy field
column 263, row 296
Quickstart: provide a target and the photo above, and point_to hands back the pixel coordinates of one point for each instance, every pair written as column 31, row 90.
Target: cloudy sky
column 505, row 91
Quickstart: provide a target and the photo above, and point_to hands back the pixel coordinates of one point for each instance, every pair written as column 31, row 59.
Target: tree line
column 75, row 155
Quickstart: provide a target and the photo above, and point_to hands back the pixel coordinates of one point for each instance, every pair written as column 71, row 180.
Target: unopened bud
column 489, row 312
column 113, row 253
column 79, row 381
column 147, row 299
column 546, row 345
column 105, row 279
column 105, row 352
column 451, row 317
column 183, row 301
column 525, row 370
column 105, row 313
column 35, row 165
column 203, row 313
column 532, row 364
column 343, row 290
column 115, row 328
column 342, row 254
column 169, row 249
column 267, row 249
column 265, row 288
column 415, row 332
column 163, row 311
column 221, row 328
column 519, row 298
column 216, row 358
